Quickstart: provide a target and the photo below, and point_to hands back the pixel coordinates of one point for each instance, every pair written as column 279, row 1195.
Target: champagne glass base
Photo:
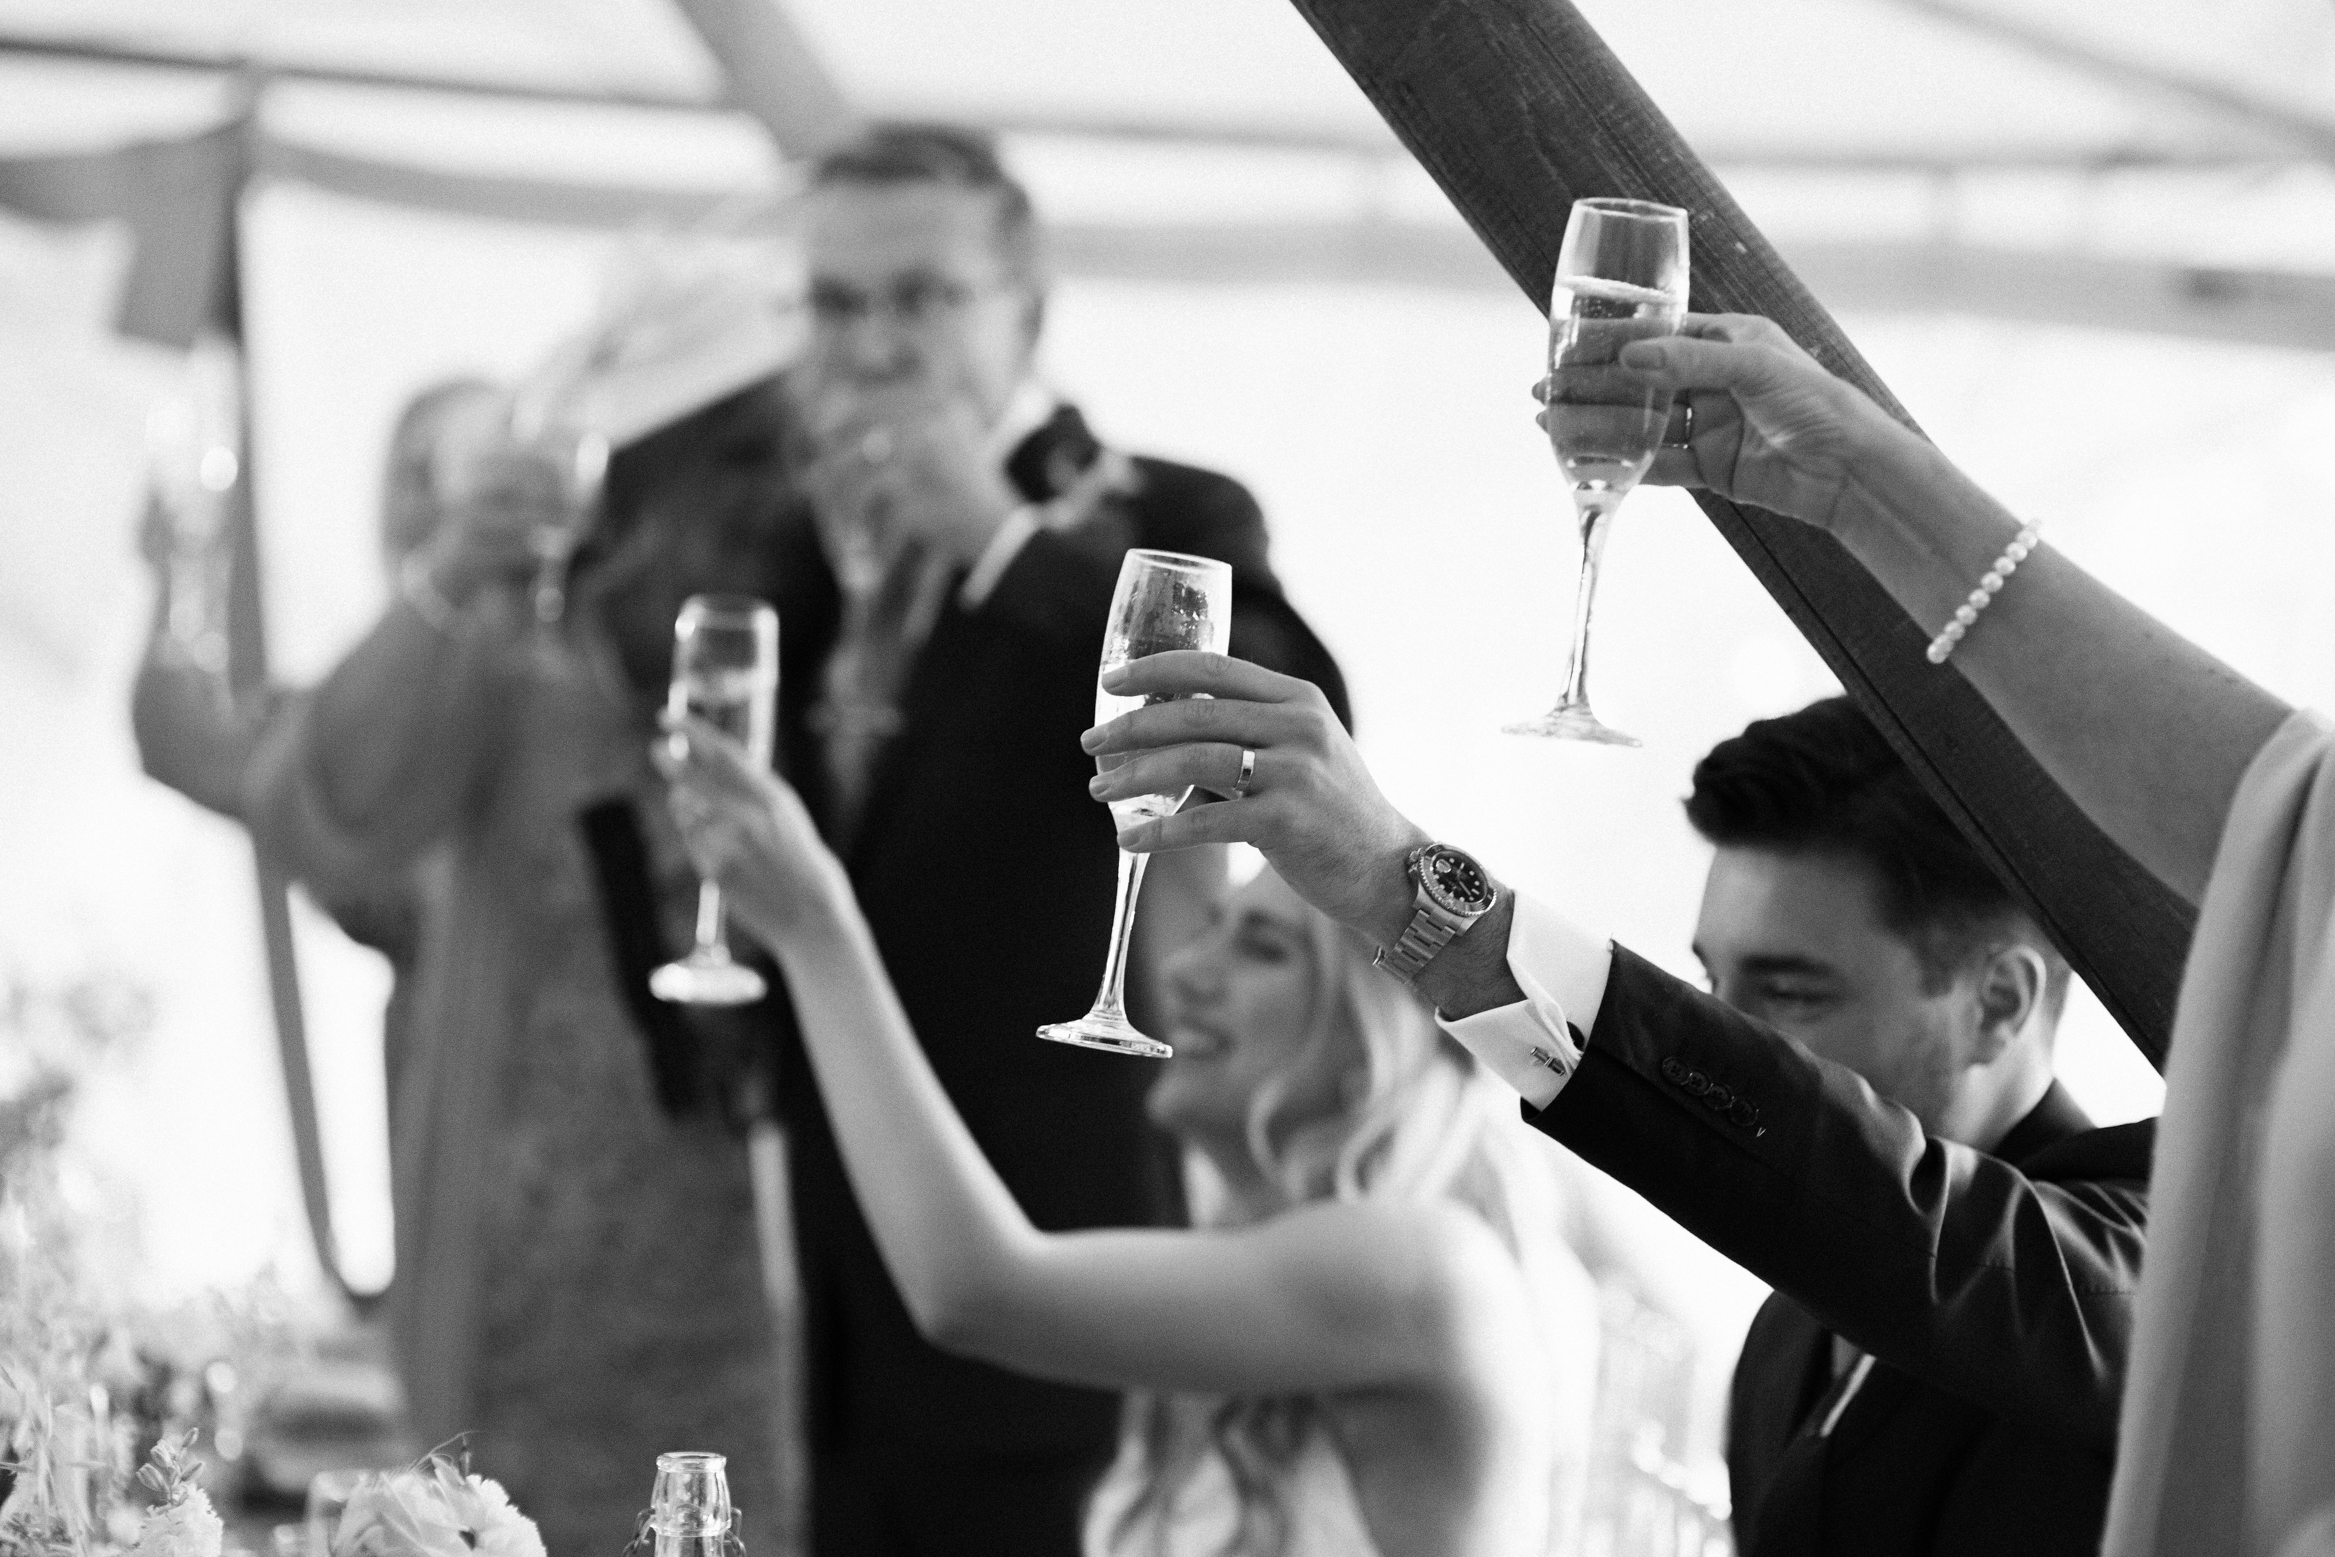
column 699, row 980
column 1112, row 1034
column 1576, row 723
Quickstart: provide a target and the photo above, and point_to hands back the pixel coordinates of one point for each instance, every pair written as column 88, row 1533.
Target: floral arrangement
column 88, row 1378
column 436, row 1509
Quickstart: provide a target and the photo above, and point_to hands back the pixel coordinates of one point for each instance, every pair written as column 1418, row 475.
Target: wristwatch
column 1452, row 893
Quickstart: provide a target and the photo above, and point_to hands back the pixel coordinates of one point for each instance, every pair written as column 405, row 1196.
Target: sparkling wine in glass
column 725, row 672
column 1165, row 600
column 1621, row 277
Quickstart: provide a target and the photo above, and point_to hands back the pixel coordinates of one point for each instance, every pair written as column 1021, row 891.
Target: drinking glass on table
column 725, row 671
column 1621, row 277
column 1165, row 600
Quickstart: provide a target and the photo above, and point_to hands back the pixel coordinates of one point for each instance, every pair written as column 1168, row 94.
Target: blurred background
column 2092, row 250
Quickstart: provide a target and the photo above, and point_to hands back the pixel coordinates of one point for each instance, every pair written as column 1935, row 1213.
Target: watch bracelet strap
column 1430, row 930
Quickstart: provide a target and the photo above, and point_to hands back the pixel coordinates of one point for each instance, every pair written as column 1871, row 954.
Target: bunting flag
column 177, row 197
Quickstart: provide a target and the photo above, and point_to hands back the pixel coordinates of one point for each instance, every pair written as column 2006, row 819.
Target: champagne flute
column 193, row 438
column 577, row 459
column 725, row 672
column 1165, row 600
column 1621, row 277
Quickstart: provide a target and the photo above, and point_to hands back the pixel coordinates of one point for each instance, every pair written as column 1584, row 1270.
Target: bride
column 1372, row 1343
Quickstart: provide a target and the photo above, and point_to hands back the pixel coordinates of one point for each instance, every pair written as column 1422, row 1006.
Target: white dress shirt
column 1562, row 970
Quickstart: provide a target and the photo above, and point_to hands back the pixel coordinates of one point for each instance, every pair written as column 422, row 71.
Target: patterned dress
column 579, row 1282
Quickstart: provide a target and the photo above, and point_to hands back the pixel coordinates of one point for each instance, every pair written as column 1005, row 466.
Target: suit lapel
column 1791, row 1509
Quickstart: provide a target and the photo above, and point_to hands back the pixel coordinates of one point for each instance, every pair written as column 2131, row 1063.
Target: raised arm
column 1334, row 1296
column 2146, row 731
column 377, row 762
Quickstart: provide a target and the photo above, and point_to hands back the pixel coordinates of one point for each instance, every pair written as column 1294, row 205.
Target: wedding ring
column 1685, row 439
column 1248, row 771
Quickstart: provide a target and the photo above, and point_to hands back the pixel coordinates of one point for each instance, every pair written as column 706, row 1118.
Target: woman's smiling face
column 1240, row 1006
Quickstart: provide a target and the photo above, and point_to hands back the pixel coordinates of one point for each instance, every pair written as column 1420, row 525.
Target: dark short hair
column 891, row 153
column 1824, row 781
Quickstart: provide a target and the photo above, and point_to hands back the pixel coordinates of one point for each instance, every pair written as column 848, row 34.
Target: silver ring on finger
column 1685, row 438
column 1248, row 772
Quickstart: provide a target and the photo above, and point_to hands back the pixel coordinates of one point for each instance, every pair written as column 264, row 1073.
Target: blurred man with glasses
column 941, row 622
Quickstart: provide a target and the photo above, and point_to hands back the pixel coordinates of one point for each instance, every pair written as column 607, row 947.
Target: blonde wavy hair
column 1418, row 1120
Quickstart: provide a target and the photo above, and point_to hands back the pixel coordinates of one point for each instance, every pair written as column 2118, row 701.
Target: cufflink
column 1555, row 1062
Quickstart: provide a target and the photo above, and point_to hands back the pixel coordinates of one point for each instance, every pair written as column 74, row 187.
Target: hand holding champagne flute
column 1621, row 277
column 725, row 672
column 1164, row 600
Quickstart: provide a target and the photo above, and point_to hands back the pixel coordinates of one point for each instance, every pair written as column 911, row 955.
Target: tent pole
column 247, row 671
column 1516, row 107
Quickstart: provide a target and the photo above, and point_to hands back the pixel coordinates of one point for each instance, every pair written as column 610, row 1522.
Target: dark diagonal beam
column 1516, row 107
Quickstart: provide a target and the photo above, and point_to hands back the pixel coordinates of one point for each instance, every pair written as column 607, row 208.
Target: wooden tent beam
column 1516, row 107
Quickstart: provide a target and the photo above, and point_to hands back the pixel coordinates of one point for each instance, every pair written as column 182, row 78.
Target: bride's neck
column 1251, row 1196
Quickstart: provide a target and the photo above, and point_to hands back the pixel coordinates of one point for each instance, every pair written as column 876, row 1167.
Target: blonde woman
column 1370, row 1344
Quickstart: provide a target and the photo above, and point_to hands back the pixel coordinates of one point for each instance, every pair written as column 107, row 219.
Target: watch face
column 1455, row 881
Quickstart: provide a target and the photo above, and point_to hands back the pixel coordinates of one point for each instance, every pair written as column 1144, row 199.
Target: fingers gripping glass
column 1165, row 600
column 725, row 672
column 1621, row 277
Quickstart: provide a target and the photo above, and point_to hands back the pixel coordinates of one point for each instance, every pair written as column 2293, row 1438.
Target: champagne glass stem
column 551, row 593
column 1596, row 520
column 1111, row 999
column 709, row 920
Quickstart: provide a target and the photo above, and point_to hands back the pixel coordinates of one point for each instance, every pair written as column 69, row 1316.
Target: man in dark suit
column 1865, row 1116
column 942, row 615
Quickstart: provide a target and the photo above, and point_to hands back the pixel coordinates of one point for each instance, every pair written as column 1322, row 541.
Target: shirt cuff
column 998, row 555
column 1562, row 969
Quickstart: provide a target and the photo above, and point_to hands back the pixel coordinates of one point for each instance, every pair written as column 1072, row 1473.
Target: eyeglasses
column 915, row 302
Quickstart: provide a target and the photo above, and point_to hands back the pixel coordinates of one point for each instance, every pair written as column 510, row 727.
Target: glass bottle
column 689, row 1510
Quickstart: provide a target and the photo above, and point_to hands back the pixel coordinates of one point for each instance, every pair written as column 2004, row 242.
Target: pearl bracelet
column 1990, row 584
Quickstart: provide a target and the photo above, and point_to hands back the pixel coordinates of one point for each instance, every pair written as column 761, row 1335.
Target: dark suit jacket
column 987, row 874
column 1994, row 1291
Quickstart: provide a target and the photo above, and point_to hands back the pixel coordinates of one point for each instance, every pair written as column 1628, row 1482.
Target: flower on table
column 433, row 1510
column 183, row 1523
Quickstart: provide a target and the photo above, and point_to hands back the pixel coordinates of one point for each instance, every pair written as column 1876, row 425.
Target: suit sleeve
column 2010, row 1291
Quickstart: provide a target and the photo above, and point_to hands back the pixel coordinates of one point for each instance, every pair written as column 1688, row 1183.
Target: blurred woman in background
column 580, row 1283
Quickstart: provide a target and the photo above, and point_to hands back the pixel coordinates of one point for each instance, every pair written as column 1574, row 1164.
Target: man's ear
column 2010, row 987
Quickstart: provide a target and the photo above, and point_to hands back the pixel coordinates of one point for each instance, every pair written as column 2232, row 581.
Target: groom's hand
column 1310, row 806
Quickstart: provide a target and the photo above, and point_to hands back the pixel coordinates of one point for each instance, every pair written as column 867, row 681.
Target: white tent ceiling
column 1817, row 79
